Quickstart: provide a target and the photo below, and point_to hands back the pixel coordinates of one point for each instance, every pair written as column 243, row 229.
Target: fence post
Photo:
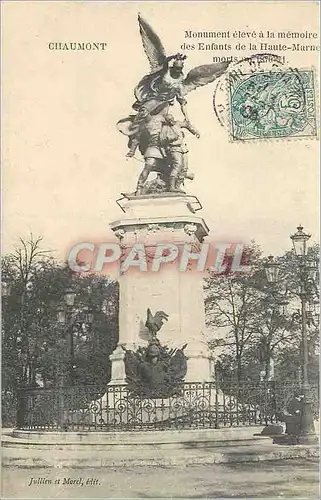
column 274, row 401
column 266, row 394
column 61, row 401
column 21, row 409
column 217, row 388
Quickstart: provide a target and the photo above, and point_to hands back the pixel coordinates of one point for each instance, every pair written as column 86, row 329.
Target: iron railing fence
column 196, row 405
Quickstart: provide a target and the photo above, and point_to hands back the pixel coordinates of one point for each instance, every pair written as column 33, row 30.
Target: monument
column 160, row 212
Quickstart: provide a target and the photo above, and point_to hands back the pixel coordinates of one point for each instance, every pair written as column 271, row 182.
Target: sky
column 63, row 159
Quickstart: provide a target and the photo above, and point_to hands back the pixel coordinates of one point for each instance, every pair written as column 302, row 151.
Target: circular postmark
column 253, row 64
column 268, row 104
column 261, row 98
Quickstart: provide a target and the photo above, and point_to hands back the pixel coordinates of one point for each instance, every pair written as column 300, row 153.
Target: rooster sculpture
column 155, row 322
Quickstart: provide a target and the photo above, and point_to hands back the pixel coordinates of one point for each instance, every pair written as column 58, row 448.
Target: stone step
column 13, row 443
column 136, row 437
column 53, row 457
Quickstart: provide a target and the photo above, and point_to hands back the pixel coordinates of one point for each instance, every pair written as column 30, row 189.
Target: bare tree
column 21, row 268
column 231, row 305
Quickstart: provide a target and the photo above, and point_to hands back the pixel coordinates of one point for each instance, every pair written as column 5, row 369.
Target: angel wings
column 197, row 77
column 155, row 93
column 152, row 45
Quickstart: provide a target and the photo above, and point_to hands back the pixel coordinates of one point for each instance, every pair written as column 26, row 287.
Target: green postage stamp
column 272, row 104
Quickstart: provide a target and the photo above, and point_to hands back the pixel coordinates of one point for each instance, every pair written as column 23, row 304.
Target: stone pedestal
column 162, row 219
column 118, row 374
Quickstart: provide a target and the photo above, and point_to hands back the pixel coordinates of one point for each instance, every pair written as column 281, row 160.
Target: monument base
column 304, row 439
column 169, row 219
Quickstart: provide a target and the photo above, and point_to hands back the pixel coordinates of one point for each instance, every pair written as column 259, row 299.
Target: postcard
column 160, row 214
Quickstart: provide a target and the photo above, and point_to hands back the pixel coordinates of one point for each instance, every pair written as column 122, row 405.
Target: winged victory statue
column 152, row 129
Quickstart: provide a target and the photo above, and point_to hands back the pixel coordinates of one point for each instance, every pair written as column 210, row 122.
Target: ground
column 296, row 478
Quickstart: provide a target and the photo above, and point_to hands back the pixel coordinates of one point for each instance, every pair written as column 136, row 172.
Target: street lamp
column 61, row 315
column 283, row 306
column 312, row 270
column 316, row 305
column 5, row 289
column 272, row 270
column 308, row 272
column 299, row 240
column 108, row 306
column 5, row 294
column 69, row 297
column 89, row 316
column 64, row 317
column 309, row 313
column 70, row 316
column 313, row 313
column 275, row 306
column 307, row 275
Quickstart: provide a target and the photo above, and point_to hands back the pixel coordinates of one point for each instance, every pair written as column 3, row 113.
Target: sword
column 134, row 158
